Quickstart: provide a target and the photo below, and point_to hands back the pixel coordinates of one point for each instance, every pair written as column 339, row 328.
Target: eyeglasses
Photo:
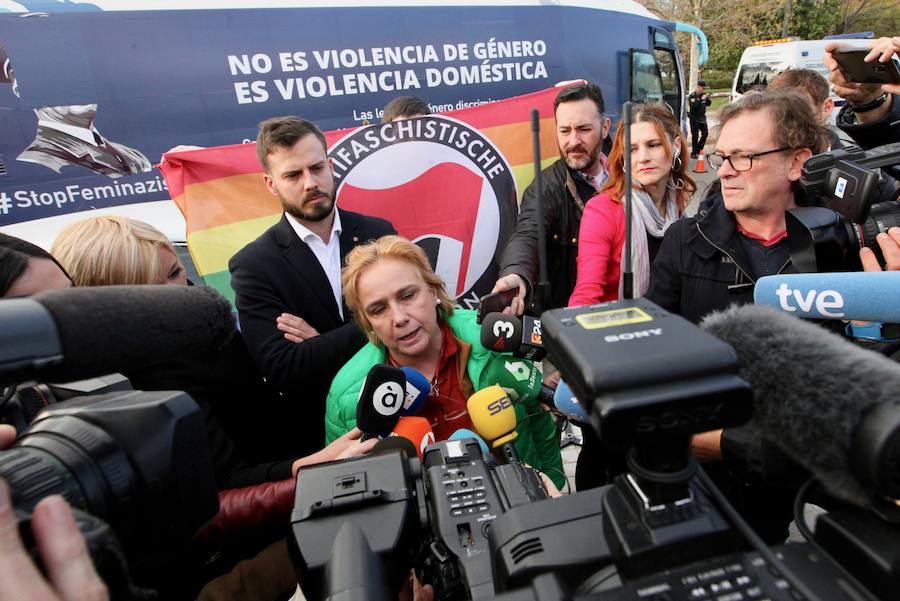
column 739, row 162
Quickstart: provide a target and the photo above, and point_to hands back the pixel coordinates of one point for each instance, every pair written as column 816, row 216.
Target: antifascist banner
column 449, row 182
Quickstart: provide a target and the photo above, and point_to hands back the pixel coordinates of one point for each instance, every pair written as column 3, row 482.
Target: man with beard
column 287, row 282
column 581, row 127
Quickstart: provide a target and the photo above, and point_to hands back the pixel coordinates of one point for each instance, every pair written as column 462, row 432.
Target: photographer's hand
column 858, row 94
column 70, row 572
column 7, row 436
column 889, row 244
column 883, row 50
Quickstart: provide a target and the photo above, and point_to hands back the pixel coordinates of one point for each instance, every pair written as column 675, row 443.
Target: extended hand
column 295, row 329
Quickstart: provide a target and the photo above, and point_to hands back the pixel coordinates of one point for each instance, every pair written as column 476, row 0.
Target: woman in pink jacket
column 661, row 190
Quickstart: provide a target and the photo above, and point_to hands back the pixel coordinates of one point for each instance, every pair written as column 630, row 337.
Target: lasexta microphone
column 380, row 401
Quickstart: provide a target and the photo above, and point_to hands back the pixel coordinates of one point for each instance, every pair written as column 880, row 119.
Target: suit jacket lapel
column 349, row 239
column 307, row 266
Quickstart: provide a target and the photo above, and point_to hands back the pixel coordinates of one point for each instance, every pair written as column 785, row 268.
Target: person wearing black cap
column 698, row 101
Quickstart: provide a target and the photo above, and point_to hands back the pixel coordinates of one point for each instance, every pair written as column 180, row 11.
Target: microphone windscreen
column 417, row 430
column 381, row 400
column 564, row 400
column 464, row 433
column 417, row 390
column 811, row 389
column 392, row 443
column 870, row 296
column 107, row 329
column 493, row 415
column 518, row 376
column 501, row 333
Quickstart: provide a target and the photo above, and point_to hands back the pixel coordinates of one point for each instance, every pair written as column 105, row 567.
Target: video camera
column 852, row 197
column 660, row 531
column 134, row 466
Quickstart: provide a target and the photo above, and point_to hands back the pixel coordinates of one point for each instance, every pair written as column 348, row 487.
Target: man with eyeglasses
column 713, row 260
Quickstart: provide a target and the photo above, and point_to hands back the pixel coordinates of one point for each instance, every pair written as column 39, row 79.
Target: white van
column 764, row 60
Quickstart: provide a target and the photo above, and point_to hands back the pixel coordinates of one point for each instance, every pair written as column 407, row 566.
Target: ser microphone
column 79, row 333
column 417, row 430
column 828, row 404
column 417, row 390
column 565, row 402
column 380, row 401
column 869, row 296
column 464, row 433
column 494, row 418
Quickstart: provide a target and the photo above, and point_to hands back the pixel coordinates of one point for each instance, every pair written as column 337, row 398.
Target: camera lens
column 882, row 217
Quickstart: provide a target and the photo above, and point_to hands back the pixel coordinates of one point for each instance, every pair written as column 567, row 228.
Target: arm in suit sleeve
column 665, row 273
column 596, row 247
column 287, row 365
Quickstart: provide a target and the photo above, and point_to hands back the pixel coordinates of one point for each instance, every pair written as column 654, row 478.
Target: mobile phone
column 495, row 302
column 859, row 71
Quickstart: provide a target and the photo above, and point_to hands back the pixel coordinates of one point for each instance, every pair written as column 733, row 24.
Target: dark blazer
column 278, row 273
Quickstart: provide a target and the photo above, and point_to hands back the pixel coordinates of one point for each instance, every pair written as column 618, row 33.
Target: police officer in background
column 697, row 103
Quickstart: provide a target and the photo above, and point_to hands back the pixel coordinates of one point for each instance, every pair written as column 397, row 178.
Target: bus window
column 755, row 76
column 668, row 69
column 646, row 82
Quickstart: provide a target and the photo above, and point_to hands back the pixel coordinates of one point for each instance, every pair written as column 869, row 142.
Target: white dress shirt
column 329, row 255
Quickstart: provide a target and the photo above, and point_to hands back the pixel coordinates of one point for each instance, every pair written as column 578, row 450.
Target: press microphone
column 494, row 417
column 520, row 378
column 394, row 443
column 869, row 296
column 380, row 401
column 565, row 402
column 501, row 333
column 828, row 404
column 464, row 433
column 417, row 430
column 417, row 390
column 79, row 333
column 532, row 344
column 509, row 334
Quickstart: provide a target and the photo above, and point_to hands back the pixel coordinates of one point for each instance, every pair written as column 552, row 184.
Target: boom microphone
column 79, row 333
column 869, row 296
column 565, row 402
column 417, row 430
column 380, row 401
column 417, row 390
column 827, row 403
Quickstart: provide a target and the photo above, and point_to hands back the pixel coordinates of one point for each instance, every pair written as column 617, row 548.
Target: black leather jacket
column 701, row 266
column 562, row 218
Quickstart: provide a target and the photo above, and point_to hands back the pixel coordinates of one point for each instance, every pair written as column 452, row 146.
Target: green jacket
column 537, row 443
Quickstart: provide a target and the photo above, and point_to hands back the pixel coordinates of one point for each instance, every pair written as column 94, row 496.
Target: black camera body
column 852, row 196
column 660, row 531
column 436, row 514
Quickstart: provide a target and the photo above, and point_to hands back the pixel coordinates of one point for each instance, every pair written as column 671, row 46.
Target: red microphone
column 417, row 430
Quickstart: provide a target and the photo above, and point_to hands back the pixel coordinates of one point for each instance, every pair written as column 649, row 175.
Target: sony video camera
column 852, row 196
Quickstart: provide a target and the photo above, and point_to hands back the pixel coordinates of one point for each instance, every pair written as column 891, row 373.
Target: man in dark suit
column 287, row 283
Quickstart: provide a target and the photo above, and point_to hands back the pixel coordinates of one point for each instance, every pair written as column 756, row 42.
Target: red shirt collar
column 765, row 241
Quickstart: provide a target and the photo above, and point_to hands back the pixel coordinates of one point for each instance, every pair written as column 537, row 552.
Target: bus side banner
column 449, row 182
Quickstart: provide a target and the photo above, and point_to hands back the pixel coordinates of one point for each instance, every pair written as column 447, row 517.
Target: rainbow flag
column 449, row 182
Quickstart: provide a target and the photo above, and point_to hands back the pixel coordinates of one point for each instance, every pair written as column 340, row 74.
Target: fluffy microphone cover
column 106, row 329
column 810, row 389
